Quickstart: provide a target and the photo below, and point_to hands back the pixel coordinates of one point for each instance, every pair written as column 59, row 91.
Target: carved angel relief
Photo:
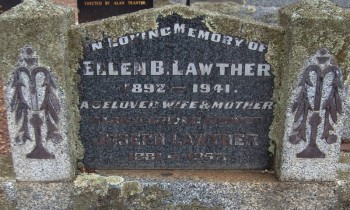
column 328, row 100
column 31, row 83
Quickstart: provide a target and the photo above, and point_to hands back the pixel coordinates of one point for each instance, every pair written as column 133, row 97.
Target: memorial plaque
column 90, row 10
column 8, row 4
column 179, row 96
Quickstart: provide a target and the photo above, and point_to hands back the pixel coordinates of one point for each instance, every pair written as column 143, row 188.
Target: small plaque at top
column 90, row 10
column 6, row 4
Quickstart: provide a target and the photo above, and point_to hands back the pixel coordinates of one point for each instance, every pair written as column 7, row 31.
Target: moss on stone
column 160, row 3
column 343, row 192
column 343, row 175
column 40, row 25
column 152, row 198
column 131, row 188
column 5, row 203
column 74, row 52
column 6, row 166
column 96, row 184
column 127, row 195
column 344, row 158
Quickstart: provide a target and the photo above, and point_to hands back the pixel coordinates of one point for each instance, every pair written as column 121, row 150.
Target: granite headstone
column 90, row 10
column 179, row 96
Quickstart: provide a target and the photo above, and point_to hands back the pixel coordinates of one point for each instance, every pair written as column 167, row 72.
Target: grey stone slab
column 175, row 98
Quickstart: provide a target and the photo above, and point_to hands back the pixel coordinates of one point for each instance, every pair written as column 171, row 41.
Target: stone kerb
column 37, row 88
column 312, row 103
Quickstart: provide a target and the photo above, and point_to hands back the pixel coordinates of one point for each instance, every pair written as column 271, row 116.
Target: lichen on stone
column 131, row 188
column 343, row 191
column 96, row 183
column 6, row 166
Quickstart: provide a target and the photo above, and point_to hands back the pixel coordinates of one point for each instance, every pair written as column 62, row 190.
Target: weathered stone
column 33, row 195
column 181, row 190
column 37, row 98
column 218, row 117
column 7, row 194
column 310, row 27
column 6, row 166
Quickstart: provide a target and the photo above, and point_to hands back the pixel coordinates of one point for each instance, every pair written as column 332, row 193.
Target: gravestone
column 6, row 4
column 309, row 58
column 90, row 10
column 176, row 96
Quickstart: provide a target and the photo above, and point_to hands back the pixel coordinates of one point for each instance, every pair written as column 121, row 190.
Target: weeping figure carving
column 34, row 100
column 326, row 102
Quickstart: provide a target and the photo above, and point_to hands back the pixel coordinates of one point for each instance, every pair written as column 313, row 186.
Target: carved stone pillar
column 312, row 99
column 38, row 90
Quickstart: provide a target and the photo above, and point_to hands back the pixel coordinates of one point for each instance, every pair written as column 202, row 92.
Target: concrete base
column 175, row 189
